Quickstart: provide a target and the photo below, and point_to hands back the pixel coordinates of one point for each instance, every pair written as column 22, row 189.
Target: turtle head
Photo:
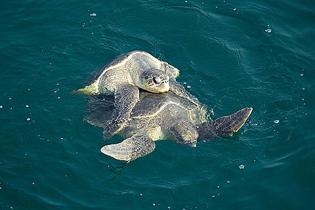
column 154, row 80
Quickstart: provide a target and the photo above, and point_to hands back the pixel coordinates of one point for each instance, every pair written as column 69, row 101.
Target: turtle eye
column 157, row 80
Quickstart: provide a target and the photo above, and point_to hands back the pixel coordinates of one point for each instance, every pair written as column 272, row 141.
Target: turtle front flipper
column 224, row 126
column 179, row 90
column 131, row 148
column 125, row 99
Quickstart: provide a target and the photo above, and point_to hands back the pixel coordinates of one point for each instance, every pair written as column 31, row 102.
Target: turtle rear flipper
column 228, row 125
column 91, row 89
column 131, row 148
column 224, row 126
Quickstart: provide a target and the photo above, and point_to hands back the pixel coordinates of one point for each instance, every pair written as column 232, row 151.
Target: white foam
column 241, row 167
column 93, row 14
column 276, row 121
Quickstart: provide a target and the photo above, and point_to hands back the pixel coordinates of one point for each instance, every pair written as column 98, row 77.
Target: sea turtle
column 164, row 116
column 125, row 75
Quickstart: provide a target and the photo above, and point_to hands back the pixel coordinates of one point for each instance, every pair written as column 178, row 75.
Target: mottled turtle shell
column 151, row 105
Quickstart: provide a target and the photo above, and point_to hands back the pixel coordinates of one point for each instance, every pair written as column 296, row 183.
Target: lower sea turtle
column 125, row 75
column 164, row 116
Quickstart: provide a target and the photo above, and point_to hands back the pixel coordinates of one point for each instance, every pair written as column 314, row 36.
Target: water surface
column 231, row 54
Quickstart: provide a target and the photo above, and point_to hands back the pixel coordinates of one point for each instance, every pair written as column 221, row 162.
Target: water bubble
column 10, row 98
column 276, row 121
column 302, row 75
column 188, row 86
column 27, row 106
column 58, row 97
column 57, row 84
column 241, row 167
column 1, row 107
column 228, row 181
column 93, row 14
column 218, row 186
column 33, row 183
column 28, row 119
column 213, row 196
column 234, row 9
column 268, row 30
column 303, row 88
column 153, row 204
column 141, row 194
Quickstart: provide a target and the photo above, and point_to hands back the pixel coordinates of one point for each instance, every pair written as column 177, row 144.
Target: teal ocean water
column 231, row 54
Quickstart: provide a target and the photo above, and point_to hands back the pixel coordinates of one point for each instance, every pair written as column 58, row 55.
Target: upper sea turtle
column 125, row 75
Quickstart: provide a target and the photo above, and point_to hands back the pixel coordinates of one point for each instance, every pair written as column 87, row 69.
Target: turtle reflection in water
column 160, row 117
